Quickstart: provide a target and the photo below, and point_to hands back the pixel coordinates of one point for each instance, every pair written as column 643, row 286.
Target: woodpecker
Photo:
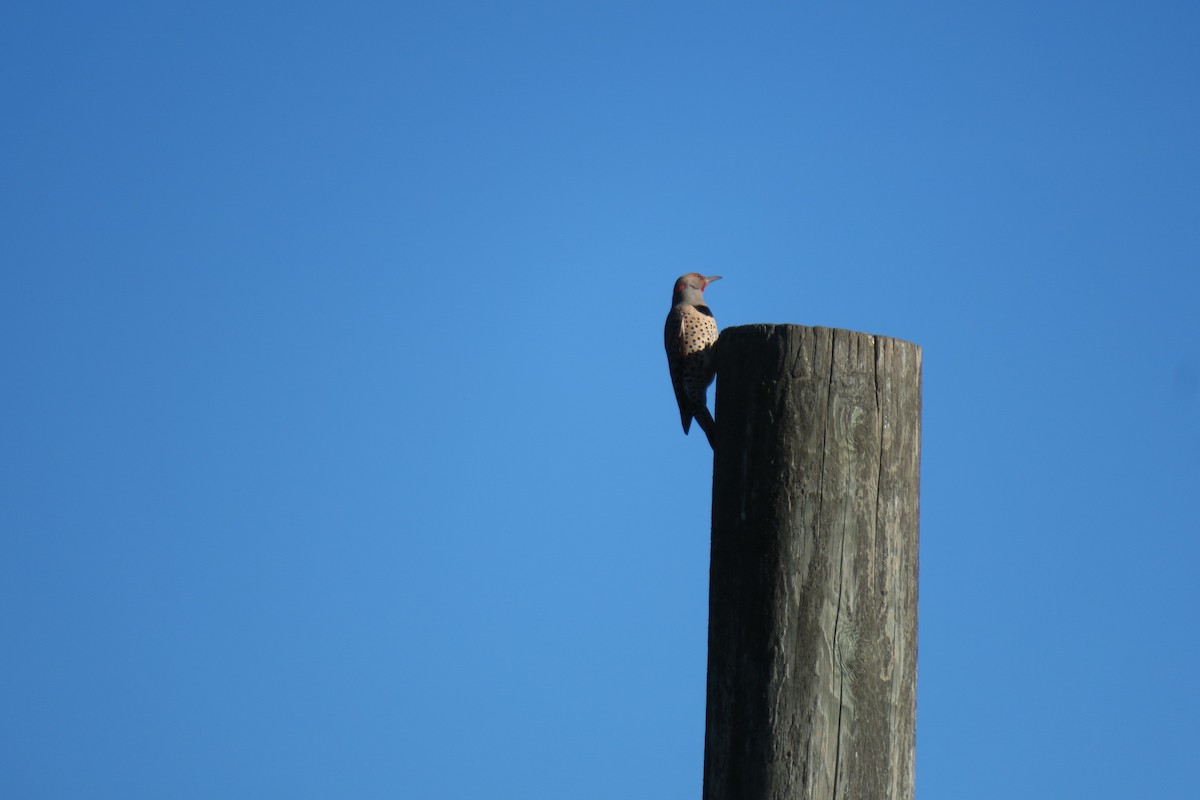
column 690, row 335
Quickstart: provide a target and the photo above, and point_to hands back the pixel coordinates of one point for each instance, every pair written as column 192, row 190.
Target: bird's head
column 690, row 288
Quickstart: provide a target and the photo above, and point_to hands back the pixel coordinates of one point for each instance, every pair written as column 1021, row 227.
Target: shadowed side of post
column 812, row 643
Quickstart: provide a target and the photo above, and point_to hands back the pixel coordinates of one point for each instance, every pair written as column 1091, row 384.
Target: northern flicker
column 690, row 335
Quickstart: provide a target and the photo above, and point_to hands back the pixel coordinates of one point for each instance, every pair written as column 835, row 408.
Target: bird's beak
column 709, row 279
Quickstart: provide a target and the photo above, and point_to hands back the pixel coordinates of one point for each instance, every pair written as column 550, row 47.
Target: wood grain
column 813, row 598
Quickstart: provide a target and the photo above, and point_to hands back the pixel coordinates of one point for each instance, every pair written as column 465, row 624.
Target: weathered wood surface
column 813, row 600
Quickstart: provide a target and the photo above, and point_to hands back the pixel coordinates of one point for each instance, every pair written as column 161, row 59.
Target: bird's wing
column 673, row 340
column 673, row 333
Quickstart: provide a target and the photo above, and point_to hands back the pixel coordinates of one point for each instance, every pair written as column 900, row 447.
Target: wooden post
column 812, row 637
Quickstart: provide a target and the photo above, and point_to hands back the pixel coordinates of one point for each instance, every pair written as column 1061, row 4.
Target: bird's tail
column 708, row 425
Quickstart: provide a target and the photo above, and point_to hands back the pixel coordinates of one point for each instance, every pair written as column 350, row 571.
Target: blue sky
column 339, row 457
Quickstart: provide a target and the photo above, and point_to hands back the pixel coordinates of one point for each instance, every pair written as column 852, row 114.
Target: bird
column 690, row 336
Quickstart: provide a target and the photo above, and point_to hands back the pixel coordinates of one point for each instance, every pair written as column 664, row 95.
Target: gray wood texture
column 812, row 661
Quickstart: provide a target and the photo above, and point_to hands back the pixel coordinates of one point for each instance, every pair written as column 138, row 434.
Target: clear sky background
column 338, row 456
